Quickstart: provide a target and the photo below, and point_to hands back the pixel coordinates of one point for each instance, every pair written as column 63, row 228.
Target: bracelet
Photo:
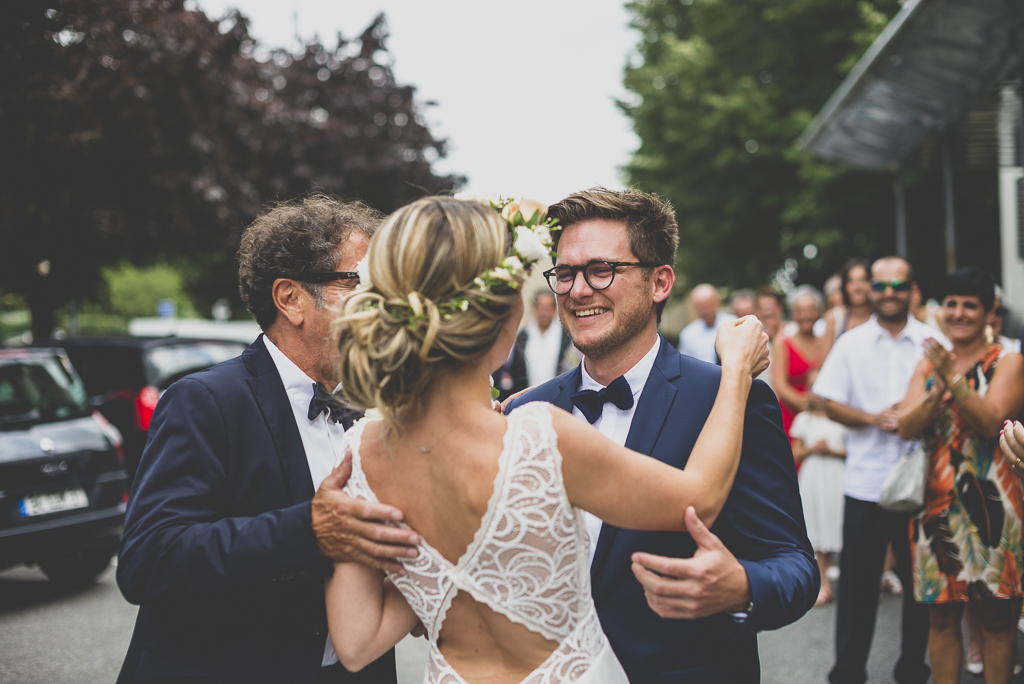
column 960, row 389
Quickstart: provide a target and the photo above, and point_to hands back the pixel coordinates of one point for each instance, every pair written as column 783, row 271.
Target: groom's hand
column 352, row 530
column 711, row 582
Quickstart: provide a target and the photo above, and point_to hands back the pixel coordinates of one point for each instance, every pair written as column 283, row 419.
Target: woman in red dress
column 798, row 354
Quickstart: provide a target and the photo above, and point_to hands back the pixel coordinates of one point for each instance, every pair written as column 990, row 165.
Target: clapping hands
column 941, row 360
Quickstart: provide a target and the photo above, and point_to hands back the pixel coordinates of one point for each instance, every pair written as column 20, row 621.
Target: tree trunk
column 43, row 309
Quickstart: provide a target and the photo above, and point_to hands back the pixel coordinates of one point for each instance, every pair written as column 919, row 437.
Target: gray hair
column 740, row 295
column 802, row 291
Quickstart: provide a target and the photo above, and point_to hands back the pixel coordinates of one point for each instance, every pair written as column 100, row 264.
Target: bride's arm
column 366, row 614
column 631, row 490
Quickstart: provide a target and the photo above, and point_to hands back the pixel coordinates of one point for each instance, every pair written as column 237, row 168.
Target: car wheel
column 79, row 569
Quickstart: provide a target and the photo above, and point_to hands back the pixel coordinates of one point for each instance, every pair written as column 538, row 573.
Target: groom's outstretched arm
column 761, row 531
column 177, row 536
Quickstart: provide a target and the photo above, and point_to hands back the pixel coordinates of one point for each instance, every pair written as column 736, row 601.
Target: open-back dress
column 528, row 561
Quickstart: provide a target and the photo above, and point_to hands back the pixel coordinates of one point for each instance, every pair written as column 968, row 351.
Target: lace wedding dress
column 527, row 562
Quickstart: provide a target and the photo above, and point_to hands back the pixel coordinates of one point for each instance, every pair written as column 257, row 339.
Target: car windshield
column 39, row 390
column 169, row 363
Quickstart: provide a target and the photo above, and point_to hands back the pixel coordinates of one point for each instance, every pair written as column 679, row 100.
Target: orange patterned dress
column 966, row 543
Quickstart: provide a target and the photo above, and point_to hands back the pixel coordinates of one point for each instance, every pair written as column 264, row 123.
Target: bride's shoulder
column 354, row 435
column 536, row 416
column 554, row 419
column 534, row 409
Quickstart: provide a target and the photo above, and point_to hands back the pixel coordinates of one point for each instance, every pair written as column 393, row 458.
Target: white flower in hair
column 513, row 264
column 528, row 245
column 363, row 269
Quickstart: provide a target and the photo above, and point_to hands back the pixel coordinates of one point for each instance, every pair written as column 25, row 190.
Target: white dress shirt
column 698, row 338
column 869, row 370
column 542, row 351
column 321, row 437
column 614, row 423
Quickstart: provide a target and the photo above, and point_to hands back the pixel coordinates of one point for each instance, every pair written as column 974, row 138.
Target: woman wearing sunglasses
column 966, row 543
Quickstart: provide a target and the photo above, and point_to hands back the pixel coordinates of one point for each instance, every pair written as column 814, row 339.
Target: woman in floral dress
column 966, row 543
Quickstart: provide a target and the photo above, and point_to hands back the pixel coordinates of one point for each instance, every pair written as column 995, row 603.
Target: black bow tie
column 591, row 403
column 338, row 412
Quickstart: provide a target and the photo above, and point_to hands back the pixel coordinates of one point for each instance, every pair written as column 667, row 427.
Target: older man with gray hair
column 698, row 338
column 225, row 544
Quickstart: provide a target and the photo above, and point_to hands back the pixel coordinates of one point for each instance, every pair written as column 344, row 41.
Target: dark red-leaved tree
column 137, row 129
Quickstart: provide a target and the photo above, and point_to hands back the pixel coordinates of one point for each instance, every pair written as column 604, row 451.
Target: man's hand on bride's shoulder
column 503, row 406
column 743, row 343
column 354, row 530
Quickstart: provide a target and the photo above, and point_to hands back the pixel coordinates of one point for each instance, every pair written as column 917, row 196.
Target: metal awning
column 930, row 65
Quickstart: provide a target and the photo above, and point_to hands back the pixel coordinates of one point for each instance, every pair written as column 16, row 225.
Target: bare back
column 502, row 546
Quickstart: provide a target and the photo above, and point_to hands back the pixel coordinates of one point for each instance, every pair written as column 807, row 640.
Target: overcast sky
column 525, row 91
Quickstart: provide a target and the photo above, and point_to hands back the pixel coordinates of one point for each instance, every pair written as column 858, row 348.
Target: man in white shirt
column 698, row 338
column 225, row 546
column 675, row 607
column 862, row 381
column 543, row 340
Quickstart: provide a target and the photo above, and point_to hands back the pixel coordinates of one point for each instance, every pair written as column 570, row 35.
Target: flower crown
column 530, row 229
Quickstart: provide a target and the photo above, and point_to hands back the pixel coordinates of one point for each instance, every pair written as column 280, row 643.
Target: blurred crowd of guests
column 865, row 372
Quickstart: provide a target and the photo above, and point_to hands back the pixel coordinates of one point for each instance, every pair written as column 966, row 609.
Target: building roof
column 933, row 62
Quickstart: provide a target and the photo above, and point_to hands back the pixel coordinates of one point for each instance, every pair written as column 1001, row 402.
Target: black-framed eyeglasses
column 598, row 274
column 322, row 276
column 896, row 285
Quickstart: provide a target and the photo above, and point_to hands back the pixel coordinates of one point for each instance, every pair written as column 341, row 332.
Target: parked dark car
column 125, row 376
column 62, row 478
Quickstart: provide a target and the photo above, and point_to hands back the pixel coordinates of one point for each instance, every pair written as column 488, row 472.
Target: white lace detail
column 528, row 560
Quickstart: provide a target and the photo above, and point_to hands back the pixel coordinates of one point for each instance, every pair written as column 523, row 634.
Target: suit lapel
column 648, row 419
column 270, row 395
column 570, row 386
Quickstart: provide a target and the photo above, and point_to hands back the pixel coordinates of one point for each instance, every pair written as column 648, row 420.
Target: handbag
column 903, row 489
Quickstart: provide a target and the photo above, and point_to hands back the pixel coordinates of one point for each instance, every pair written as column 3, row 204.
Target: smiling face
column 858, row 286
column 965, row 318
column 601, row 322
column 322, row 334
column 890, row 305
column 769, row 312
column 805, row 313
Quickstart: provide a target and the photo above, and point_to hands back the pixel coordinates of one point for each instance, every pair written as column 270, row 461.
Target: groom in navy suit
column 225, row 546
column 676, row 607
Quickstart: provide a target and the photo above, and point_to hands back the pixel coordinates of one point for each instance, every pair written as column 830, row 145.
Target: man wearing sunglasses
column 863, row 380
column 676, row 607
column 225, row 546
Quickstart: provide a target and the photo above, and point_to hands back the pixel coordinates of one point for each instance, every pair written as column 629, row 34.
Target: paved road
column 49, row 637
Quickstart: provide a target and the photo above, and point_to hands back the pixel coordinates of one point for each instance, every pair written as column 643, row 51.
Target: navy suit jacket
column 218, row 548
column 762, row 524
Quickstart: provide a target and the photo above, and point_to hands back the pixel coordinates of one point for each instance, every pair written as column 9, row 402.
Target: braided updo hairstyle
column 425, row 254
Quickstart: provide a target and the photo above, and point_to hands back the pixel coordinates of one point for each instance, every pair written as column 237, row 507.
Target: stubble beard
column 900, row 316
column 633, row 318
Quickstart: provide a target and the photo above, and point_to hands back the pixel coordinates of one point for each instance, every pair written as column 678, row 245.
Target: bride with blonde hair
column 501, row 584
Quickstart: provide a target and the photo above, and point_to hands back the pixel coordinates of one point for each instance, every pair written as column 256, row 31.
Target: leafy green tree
column 134, row 292
column 721, row 91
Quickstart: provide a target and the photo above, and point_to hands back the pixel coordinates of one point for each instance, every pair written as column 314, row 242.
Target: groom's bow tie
column 591, row 403
column 338, row 412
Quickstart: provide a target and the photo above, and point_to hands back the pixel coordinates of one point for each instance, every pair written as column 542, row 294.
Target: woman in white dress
column 820, row 444
column 501, row 583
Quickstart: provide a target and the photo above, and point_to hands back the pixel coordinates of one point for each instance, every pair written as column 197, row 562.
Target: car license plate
column 52, row 502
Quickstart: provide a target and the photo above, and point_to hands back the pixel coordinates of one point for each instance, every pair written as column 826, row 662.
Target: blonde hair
column 395, row 341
